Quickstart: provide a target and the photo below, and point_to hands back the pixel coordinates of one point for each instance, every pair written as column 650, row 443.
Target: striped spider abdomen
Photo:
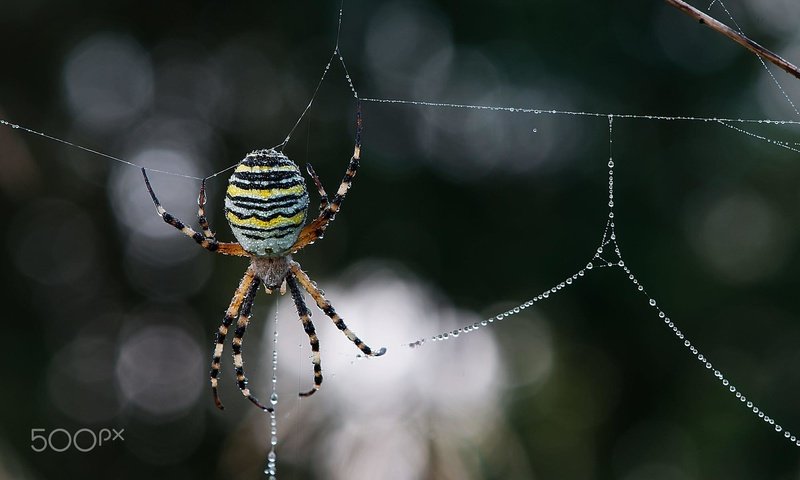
column 266, row 203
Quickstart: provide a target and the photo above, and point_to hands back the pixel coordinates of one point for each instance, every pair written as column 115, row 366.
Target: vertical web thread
column 272, row 456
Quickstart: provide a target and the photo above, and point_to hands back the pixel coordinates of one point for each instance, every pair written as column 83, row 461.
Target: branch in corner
column 737, row 37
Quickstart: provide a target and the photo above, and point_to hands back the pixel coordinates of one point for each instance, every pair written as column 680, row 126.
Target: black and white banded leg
column 316, row 228
column 205, row 239
column 201, row 213
column 323, row 197
column 238, row 338
column 308, row 326
column 243, row 291
column 328, row 309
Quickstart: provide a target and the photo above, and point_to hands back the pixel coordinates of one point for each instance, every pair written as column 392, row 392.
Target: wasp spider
column 266, row 205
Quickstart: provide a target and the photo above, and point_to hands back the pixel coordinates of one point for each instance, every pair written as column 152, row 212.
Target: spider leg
column 327, row 308
column 323, row 197
column 209, row 243
column 238, row 338
column 308, row 326
column 201, row 212
column 246, row 290
column 316, row 228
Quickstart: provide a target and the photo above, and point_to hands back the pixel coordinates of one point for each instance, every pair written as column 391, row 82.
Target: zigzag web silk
column 607, row 255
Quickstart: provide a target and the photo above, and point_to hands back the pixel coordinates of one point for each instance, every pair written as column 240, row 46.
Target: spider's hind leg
column 201, row 212
column 315, row 229
column 205, row 239
column 328, row 309
column 323, row 197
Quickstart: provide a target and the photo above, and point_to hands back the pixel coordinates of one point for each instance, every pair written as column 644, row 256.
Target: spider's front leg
column 308, row 327
column 240, row 303
column 238, row 338
column 315, row 229
column 205, row 239
column 328, row 309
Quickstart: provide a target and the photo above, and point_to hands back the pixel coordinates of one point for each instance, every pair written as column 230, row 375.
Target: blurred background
column 456, row 215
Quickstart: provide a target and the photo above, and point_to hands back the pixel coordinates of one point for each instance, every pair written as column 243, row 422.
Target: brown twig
column 735, row 36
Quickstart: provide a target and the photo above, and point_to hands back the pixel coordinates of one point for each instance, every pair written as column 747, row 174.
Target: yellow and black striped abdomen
column 266, row 203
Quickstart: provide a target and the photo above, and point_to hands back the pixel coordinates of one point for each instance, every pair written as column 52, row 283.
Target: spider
column 266, row 204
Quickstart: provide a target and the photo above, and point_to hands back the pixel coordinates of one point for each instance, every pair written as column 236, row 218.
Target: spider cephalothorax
column 266, row 204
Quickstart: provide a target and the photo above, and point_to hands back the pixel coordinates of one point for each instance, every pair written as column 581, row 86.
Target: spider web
column 608, row 254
